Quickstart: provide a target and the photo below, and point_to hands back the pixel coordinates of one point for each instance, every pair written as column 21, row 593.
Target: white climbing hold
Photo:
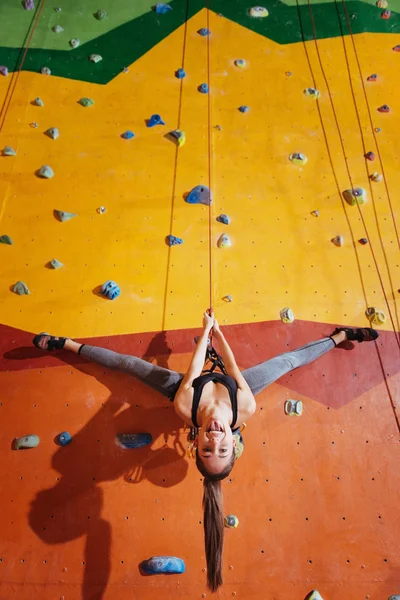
column 224, row 241
column 38, row 102
column 377, row 177
column 314, row 595
column 293, row 407
column 8, row 151
column 298, row 158
column 287, row 315
column 75, row 42
column 58, row 29
column 311, row 92
column 4, row 70
column 259, row 12
column 64, row 216
column 56, row 264
column 46, row 172
column 95, row 58
column 101, row 210
column 45, row 71
column 227, row 298
column 338, row 240
column 52, row 133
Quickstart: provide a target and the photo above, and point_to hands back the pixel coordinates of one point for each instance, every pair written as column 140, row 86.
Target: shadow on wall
column 72, row 508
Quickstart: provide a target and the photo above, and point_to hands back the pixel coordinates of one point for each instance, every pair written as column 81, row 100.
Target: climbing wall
column 317, row 495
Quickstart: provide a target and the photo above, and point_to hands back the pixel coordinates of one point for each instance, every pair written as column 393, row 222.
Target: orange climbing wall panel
column 316, row 496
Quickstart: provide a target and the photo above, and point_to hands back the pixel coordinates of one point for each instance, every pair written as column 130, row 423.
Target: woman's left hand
column 208, row 320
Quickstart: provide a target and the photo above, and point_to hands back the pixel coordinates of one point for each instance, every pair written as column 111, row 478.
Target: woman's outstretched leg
column 162, row 380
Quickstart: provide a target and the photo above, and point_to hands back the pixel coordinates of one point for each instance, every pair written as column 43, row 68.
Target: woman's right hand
column 216, row 326
column 208, row 320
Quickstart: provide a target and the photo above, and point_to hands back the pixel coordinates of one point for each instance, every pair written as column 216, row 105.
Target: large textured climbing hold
column 287, row 315
column 172, row 240
column 179, row 136
column 75, row 42
column 128, row 135
column 373, row 77
column 21, row 289
column 231, row 521
column 28, row 441
column 293, row 407
column 311, row 92
column 370, row 156
column 355, row 196
column 5, row 239
column 200, row 194
column 63, row 216
column 8, row 151
column 223, row 219
column 45, row 71
column 95, row 58
column 244, row 108
column 52, row 133
column 46, row 172
column 377, row 177
column 314, row 595
column 298, row 158
column 29, row 5
column 56, row 264
column 38, row 102
column 100, row 15
column 397, row 48
column 133, row 440
column 203, row 88
column 375, row 315
column 3, row 70
column 64, row 438
column 86, row 102
column 338, row 241
column 159, row 565
column 384, row 108
column 155, row 120
column 224, row 241
column 161, row 8
column 180, row 74
column 240, row 63
column 110, row 289
column 259, row 12
column 57, row 29
column 204, row 31
column 386, row 14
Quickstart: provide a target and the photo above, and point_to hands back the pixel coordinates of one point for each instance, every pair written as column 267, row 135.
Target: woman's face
column 215, row 444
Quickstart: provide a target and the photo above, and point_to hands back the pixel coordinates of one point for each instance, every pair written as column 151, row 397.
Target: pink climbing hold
column 4, row 71
column 397, row 48
column 29, row 4
column 370, row 156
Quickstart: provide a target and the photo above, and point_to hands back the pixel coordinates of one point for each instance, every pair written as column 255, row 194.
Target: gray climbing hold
column 227, row 298
column 200, row 194
column 86, row 102
column 38, row 102
column 244, row 109
column 95, row 58
column 224, row 241
column 52, row 133
column 133, row 440
column 100, row 15
column 58, row 29
column 45, row 71
column 5, row 239
column 75, row 42
column 46, row 172
column 56, row 264
column 172, row 240
column 338, row 240
column 28, row 441
column 3, row 70
column 21, row 289
column 223, row 219
column 8, row 151
column 63, row 216
column 204, row 32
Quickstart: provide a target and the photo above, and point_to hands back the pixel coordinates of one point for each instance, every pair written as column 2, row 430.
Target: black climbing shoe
column 359, row 334
column 53, row 343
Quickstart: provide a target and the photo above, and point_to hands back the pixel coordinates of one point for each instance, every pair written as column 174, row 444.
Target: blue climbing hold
column 128, row 135
column 203, row 88
column 110, row 290
column 155, row 120
column 200, row 194
column 244, row 109
column 161, row 8
column 172, row 240
column 167, row 565
column 204, row 32
column 64, row 438
column 224, row 219
column 133, row 440
column 180, row 73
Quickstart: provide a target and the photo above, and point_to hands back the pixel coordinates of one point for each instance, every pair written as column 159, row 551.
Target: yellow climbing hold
column 355, row 196
column 287, row 315
column 375, row 315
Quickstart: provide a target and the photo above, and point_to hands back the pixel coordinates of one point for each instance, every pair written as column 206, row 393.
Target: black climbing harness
column 216, row 360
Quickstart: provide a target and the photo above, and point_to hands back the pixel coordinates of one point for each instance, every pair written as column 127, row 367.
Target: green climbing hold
column 46, row 172
column 64, row 216
column 52, row 133
column 95, row 58
column 56, row 264
column 86, row 102
column 100, row 15
column 21, row 289
column 5, row 239
column 38, row 102
column 8, row 151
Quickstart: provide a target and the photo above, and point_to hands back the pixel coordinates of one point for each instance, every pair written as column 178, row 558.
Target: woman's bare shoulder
column 183, row 404
column 246, row 404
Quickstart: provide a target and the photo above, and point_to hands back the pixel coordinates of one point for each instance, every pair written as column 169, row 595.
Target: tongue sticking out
column 215, row 426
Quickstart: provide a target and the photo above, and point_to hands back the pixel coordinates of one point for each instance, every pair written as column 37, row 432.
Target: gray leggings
column 167, row 382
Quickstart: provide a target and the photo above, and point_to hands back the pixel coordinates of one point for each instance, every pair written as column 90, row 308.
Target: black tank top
column 227, row 381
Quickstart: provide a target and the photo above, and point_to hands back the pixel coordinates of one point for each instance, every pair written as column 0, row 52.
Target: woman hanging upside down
column 215, row 403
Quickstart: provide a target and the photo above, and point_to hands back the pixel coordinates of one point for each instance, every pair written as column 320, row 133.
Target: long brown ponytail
column 213, row 519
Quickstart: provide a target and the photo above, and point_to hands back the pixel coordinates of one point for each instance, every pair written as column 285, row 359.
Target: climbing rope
column 209, row 143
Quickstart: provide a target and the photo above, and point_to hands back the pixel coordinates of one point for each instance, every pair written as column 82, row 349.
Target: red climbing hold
column 384, row 108
column 373, row 77
column 397, row 48
column 370, row 156
column 385, row 14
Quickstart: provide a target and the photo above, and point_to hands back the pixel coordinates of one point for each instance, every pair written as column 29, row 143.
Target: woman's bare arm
column 199, row 355
column 229, row 360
